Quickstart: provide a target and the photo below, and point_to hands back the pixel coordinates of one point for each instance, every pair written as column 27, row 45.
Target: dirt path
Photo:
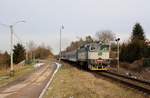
column 29, row 86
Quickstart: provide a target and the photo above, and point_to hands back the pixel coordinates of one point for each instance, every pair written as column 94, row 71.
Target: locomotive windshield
column 103, row 49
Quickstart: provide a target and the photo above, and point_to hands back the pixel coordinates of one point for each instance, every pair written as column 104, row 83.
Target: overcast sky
column 79, row 17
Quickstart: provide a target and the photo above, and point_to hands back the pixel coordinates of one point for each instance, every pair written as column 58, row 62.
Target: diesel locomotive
column 93, row 56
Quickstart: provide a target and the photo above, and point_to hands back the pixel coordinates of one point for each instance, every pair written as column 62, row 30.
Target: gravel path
column 29, row 86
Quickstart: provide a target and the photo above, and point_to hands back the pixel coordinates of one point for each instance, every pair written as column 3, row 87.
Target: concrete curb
column 48, row 84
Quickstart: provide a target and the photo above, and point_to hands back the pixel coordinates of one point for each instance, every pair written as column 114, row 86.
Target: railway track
column 141, row 85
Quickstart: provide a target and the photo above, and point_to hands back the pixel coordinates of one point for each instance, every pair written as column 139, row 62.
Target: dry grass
column 19, row 72
column 71, row 82
column 5, row 71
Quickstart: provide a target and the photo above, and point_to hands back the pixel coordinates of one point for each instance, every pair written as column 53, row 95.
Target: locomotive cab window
column 93, row 48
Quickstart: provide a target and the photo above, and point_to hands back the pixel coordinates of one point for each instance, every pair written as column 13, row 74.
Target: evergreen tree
column 137, row 33
column 19, row 53
column 123, row 52
column 138, row 39
column 136, row 48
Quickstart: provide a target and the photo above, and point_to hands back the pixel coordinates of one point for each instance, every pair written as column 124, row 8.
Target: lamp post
column 11, row 46
column 61, row 28
column 117, row 40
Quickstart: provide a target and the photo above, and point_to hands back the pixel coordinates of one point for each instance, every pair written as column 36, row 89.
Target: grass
column 71, row 82
column 19, row 72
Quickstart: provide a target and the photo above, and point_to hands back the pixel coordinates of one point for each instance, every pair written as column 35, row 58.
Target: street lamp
column 11, row 41
column 117, row 40
column 61, row 28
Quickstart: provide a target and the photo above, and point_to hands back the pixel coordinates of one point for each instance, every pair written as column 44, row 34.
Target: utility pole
column 62, row 27
column 11, row 51
column 117, row 40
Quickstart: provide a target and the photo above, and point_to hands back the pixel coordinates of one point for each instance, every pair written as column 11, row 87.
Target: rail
column 141, row 85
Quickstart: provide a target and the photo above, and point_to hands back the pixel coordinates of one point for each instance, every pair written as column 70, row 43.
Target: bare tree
column 31, row 47
column 4, row 60
column 88, row 39
column 105, row 36
column 80, row 42
column 39, row 51
column 76, row 44
column 42, row 52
